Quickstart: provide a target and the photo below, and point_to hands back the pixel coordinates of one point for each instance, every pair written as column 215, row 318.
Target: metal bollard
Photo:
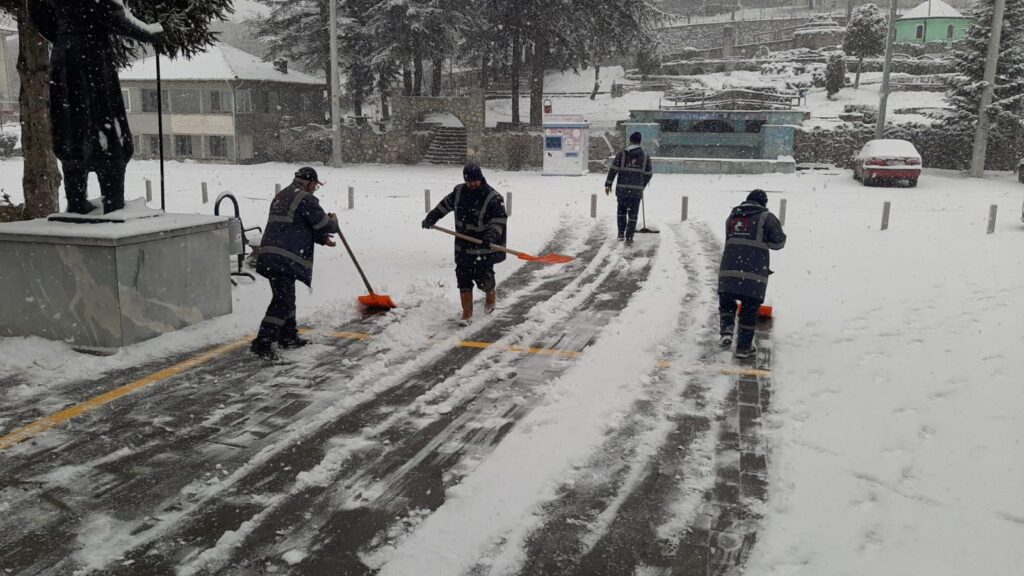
column 426, row 200
column 508, row 204
column 782, row 211
column 686, row 208
column 885, row 215
column 277, row 189
column 593, row 205
column 149, row 190
column 351, row 198
column 992, row 218
column 206, row 196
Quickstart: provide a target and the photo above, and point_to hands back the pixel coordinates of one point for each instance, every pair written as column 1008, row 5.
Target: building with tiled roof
column 222, row 105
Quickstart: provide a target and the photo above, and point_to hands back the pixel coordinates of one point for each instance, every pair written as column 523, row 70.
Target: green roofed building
column 933, row 21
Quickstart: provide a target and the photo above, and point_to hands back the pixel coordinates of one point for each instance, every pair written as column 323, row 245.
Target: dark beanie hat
column 634, row 138
column 472, row 171
column 758, row 197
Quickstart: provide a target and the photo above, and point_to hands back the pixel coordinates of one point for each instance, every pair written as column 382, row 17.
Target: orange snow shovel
column 543, row 259
column 765, row 311
column 370, row 302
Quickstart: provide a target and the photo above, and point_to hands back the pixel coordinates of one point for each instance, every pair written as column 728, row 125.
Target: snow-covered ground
column 896, row 426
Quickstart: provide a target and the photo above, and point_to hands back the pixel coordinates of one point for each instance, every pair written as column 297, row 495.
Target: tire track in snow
column 653, row 465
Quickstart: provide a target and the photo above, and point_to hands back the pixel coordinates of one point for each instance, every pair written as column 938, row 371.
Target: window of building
column 218, row 146
column 266, row 102
column 669, row 125
column 183, row 146
column 185, row 101
column 920, row 32
column 126, row 95
column 245, row 148
column 243, row 101
column 949, row 31
column 149, row 100
column 220, row 101
column 152, row 144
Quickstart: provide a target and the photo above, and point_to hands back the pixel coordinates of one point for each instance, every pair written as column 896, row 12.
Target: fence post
column 782, row 211
column 277, row 189
column 992, row 218
column 149, row 190
column 426, row 200
column 686, row 208
column 593, row 205
column 508, row 204
column 351, row 198
column 885, row 215
column 206, row 197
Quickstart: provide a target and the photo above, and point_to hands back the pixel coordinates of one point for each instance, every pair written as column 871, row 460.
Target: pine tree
column 964, row 95
column 186, row 24
column 865, row 35
column 835, row 74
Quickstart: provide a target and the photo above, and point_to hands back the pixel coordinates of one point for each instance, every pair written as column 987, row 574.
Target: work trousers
column 629, row 205
column 727, row 305
column 279, row 322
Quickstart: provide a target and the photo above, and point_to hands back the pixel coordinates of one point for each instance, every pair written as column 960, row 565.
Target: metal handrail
column 245, row 241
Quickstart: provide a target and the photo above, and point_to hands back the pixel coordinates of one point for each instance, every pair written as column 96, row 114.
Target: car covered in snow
column 887, row 161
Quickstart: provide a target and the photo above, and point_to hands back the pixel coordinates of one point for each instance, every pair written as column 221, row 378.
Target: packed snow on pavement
column 895, row 431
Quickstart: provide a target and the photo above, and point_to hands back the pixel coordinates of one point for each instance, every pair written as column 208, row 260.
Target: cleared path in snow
column 328, row 464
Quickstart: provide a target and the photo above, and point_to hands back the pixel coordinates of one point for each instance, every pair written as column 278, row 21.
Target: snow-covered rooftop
column 220, row 62
column 932, row 9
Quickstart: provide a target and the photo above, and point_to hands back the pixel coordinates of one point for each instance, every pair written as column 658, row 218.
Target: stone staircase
column 448, row 146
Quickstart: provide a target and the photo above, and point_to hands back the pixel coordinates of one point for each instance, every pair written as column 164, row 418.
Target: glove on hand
column 427, row 224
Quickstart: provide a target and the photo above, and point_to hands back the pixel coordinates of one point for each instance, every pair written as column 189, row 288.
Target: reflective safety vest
column 295, row 223
column 634, row 170
column 478, row 213
column 750, row 232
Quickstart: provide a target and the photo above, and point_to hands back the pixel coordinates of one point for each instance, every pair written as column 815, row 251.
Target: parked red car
column 887, row 160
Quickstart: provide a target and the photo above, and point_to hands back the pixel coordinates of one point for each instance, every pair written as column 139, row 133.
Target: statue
column 90, row 127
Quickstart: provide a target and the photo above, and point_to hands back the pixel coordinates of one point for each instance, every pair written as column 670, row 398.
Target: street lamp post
column 335, row 82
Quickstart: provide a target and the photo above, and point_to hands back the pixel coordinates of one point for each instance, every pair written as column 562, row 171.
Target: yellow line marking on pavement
column 352, row 335
column 44, row 424
column 520, row 349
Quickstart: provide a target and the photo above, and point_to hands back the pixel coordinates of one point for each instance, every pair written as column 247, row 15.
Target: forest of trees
column 387, row 46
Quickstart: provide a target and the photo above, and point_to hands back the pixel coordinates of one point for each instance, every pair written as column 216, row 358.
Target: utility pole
column 991, row 60
column 883, row 98
column 335, row 82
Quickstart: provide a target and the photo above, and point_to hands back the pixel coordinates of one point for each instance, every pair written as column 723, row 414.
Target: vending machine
column 566, row 145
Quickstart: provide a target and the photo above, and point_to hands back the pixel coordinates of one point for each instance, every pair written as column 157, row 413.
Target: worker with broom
column 295, row 223
column 634, row 171
column 750, row 232
column 480, row 214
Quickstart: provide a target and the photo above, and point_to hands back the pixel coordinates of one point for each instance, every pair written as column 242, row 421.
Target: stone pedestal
column 99, row 287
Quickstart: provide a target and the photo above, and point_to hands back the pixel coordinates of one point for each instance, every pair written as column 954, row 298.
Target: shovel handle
column 356, row 262
column 497, row 247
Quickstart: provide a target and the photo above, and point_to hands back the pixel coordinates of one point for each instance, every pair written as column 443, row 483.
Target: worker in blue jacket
column 296, row 222
column 750, row 232
column 633, row 168
column 480, row 213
